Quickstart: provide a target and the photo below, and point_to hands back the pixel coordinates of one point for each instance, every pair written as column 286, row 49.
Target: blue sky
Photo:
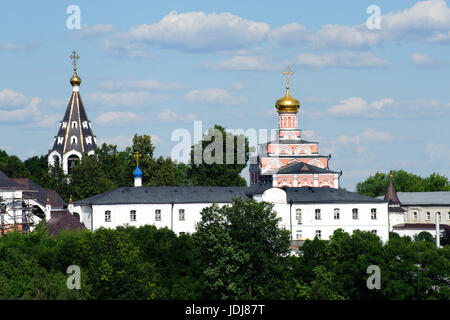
column 375, row 99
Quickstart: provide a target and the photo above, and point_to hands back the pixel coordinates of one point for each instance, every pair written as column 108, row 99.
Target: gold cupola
column 75, row 80
column 287, row 103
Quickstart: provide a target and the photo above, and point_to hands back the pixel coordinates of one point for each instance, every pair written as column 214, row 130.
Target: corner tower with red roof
column 290, row 161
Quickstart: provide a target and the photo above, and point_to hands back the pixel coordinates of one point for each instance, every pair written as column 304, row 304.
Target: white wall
column 145, row 214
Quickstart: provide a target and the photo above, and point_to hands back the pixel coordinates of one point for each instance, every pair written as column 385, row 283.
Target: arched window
column 74, row 125
column 73, row 140
column 298, row 216
column 72, row 161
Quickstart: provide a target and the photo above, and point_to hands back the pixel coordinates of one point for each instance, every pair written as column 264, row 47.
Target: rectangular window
column 317, row 214
column 439, row 214
column 318, row 234
column 415, row 215
column 107, row 216
column 373, row 214
column 337, row 214
column 133, row 215
column 298, row 216
column 299, row 235
column 448, row 216
column 428, row 216
column 181, row 214
column 355, row 213
column 157, row 215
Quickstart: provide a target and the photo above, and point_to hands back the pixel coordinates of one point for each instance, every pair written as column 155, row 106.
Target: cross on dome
column 74, row 56
column 288, row 72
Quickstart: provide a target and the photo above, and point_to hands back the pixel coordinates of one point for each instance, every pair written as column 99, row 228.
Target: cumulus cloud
column 426, row 21
column 345, row 59
column 372, row 136
column 193, row 32
column 30, row 112
column 10, row 98
column 215, row 96
column 358, row 107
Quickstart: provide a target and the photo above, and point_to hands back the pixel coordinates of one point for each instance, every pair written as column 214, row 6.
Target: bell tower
column 75, row 135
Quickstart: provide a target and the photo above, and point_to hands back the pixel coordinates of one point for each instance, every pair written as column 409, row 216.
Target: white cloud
column 238, row 86
column 345, row 59
column 244, row 63
column 194, row 32
column 358, row 107
column 213, row 96
column 421, row 59
column 124, row 99
column 11, row 47
column 372, row 136
column 10, row 98
column 116, row 117
column 168, row 115
column 30, row 112
column 426, row 21
column 94, row 31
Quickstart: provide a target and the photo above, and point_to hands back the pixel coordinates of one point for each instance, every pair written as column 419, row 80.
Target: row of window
column 85, row 125
column 74, row 140
column 428, row 215
column 181, row 216
column 337, row 214
column 299, row 234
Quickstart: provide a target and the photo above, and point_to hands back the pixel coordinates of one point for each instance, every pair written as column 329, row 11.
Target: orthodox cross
column 137, row 156
column 74, row 57
column 288, row 72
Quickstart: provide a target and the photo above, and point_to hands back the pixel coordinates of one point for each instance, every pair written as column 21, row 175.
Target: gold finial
column 74, row 56
column 137, row 156
column 390, row 174
column 288, row 72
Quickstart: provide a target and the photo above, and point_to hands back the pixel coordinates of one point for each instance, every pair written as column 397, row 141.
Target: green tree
column 12, row 166
column 88, row 179
column 36, row 166
column 55, row 178
column 212, row 164
column 243, row 251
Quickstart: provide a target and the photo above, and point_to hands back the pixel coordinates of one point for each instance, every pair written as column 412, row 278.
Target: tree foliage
column 403, row 181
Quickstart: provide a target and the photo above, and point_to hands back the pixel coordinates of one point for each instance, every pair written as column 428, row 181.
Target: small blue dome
column 137, row 173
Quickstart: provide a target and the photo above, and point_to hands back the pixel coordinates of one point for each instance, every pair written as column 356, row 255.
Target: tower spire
column 75, row 81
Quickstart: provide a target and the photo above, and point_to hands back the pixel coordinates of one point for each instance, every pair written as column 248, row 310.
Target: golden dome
column 287, row 103
column 75, row 80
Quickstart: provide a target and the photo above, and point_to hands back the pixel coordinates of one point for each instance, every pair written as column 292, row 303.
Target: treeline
column 110, row 168
column 403, row 181
column 237, row 252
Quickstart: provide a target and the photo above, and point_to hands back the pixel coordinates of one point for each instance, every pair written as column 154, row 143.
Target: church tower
column 290, row 161
column 75, row 135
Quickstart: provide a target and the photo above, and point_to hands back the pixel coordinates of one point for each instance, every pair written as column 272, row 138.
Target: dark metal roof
column 190, row 194
column 63, row 220
column 35, row 191
column 178, row 194
column 326, row 195
column 302, row 168
column 8, row 183
column 75, row 111
column 391, row 194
